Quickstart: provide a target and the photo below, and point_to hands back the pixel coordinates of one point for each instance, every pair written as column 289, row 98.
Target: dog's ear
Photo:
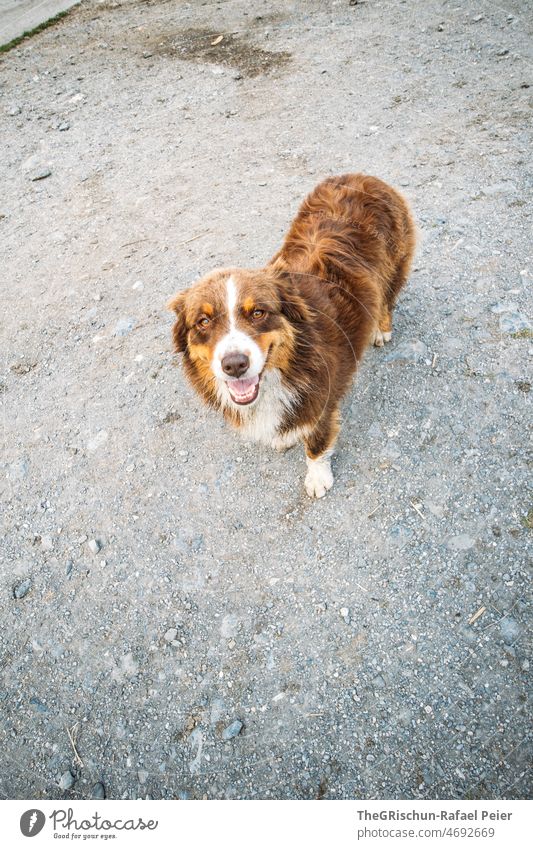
column 179, row 331
column 293, row 305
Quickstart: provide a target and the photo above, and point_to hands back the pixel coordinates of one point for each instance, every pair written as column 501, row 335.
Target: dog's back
column 354, row 233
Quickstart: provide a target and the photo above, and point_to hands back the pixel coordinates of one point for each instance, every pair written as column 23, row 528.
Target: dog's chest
column 262, row 422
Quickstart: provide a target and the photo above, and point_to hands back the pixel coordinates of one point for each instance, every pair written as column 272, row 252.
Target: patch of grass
column 527, row 520
column 526, row 333
column 4, row 48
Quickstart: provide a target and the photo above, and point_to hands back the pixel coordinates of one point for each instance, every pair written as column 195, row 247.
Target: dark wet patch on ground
column 203, row 45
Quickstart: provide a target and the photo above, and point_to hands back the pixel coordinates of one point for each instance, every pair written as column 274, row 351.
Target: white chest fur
column 261, row 422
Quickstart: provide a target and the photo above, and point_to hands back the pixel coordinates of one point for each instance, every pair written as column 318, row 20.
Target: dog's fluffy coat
column 275, row 349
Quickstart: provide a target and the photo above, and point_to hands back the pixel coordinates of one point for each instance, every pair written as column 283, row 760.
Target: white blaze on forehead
column 231, row 301
column 235, row 340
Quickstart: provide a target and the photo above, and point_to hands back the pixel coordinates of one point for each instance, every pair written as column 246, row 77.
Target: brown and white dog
column 275, row 348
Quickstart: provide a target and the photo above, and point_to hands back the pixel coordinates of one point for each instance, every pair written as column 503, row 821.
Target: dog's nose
column 235, row 364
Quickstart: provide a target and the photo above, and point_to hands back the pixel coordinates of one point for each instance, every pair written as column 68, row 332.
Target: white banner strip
column 257, row 824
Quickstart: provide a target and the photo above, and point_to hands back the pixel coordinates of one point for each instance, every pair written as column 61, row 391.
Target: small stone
column 514, row 322
column 461, row 542
column 47, row 542
column 345, row 613
column 525, row 665
column 408, row 352
column 124, row 326
column 171, row 635
column 37, row 705
column 504, row 187
column 63, row 127
column 98, row 791
column 13, row 110
column 94, row 546
column 22, row 589
column 97, row 441
column 232, row 730
column 39, row 174
column 23, row 367
column 67, row 780
column 379, row 682
column 509, row 629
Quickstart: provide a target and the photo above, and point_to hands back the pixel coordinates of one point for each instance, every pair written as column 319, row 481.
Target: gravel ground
column 170, row 597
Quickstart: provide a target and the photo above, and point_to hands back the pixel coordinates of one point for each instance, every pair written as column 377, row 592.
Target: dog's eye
column 203, row 322
column 257, row 314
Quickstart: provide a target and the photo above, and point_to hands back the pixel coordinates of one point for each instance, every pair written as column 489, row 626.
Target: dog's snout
column 235, row 364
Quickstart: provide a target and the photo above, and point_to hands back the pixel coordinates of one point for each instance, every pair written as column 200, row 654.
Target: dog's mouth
column 244, row 391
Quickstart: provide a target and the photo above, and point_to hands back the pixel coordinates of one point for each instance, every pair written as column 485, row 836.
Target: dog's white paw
column 319, row 477
column 379, row 338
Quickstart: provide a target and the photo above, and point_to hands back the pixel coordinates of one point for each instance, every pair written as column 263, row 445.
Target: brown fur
column 334, row 281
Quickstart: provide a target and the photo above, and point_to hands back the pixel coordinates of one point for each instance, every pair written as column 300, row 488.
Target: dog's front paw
column 319, row 478
column 379, row 337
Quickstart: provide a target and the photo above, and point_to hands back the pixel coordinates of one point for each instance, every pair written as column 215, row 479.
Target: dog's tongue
column 242, row 390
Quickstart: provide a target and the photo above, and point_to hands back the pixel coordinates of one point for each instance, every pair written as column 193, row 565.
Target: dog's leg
column 319, row 448
column 383, row 331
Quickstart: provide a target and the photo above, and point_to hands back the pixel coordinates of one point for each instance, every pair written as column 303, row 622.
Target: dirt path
column 162, row 581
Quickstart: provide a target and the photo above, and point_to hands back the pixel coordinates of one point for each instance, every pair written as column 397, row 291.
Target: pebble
column 22, row 589
column 13, row 110
column 67, row 780
column 514, row 322
column 94, row 546
column 232, row 730
column 47, row 542
column 98, row 791
column 38, row 705
column 407, row 352
column 124, row 326
column 23, row 366
column 461, row 542
column 501, row 307
column 171, row 634
column 39, row 174
column 345, row 613
column 509, row 629
column 64, row 126
column 499, row 188
column 97, row 441
column 525, row 665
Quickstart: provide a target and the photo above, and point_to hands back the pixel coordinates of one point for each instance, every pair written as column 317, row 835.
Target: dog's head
column 233, row 325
